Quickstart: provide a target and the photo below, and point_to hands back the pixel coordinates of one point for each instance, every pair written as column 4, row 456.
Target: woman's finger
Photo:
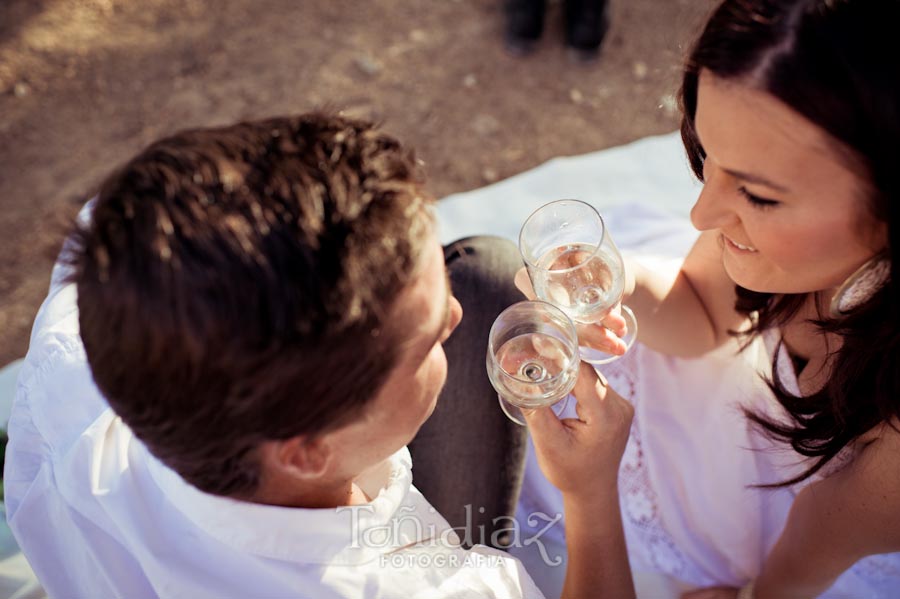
column 589, row 391
column 615, row 322
column 523, row 283
column 599, row 337
column 543, row 425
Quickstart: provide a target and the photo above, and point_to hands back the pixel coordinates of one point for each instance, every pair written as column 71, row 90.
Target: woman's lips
column 739, row 247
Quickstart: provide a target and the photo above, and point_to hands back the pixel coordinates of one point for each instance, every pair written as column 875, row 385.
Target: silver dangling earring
column 860, row 286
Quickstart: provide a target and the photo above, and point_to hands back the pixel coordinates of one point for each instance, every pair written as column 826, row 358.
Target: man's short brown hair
column 234, row 286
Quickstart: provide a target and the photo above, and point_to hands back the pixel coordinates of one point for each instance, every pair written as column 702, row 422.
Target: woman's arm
column 685, row 317
column 691, row 315
column 837, row 521
column 581, row 458
column 595, row 540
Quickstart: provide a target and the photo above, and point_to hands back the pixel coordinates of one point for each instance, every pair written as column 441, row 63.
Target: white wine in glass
column 532, row 358
column 574, row 264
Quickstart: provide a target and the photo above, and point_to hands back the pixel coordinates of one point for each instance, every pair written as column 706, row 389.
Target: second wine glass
column 532, row 358
column 574, row 264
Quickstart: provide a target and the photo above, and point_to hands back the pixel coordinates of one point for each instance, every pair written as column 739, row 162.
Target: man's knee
column 483, row 266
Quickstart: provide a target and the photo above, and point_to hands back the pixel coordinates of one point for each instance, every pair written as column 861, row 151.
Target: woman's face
column 791, row 213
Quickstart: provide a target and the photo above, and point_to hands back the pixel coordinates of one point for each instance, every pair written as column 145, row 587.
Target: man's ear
column 302, row 457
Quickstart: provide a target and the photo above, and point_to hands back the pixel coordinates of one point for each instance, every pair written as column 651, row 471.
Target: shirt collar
column 321, row 536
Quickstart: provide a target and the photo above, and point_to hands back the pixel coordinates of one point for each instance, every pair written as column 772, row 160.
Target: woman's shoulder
column 860, row 493
column 874, row 468
column 873, row 454
column 882, row 440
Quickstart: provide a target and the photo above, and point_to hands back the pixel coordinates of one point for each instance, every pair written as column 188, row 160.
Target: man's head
column 250, row 287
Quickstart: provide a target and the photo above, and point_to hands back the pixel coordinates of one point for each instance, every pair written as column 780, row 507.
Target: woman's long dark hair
column 836, row 63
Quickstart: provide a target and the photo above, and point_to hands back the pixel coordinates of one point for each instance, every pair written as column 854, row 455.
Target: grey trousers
column 468, row 458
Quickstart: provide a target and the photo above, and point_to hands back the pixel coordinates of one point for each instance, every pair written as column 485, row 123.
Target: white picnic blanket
column 649, row 176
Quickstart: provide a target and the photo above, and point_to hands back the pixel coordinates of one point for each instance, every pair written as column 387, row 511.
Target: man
column 263, row 309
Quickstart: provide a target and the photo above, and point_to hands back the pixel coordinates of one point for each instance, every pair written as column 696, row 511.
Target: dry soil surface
column 84, row 84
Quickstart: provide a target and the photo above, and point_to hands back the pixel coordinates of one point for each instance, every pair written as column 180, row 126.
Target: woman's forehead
column 749, row 129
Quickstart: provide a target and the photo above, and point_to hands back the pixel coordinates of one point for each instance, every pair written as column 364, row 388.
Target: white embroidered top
column 687, row 502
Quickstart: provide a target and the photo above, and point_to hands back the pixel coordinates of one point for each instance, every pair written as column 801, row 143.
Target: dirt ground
column 84, row 84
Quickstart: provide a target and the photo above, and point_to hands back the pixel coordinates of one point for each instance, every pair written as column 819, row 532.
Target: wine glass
column 574, row 264
column 532, row 358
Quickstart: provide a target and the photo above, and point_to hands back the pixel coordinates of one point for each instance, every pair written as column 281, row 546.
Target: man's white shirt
column 98, row 516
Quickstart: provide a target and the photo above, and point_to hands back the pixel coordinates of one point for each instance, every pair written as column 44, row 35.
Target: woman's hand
column 581, row 456
column 605, row 335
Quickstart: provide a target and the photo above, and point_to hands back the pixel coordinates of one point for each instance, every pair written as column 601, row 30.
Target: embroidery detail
column 639, row 500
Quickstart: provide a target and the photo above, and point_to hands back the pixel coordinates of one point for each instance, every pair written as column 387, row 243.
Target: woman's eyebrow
column 756, row 179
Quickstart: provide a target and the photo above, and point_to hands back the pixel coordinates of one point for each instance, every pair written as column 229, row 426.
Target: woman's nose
column 714, row 208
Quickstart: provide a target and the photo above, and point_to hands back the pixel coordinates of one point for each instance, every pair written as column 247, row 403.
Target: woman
column 765, row 452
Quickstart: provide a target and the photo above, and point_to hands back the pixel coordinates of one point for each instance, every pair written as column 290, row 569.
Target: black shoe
column 586, row 23
column 524, row 24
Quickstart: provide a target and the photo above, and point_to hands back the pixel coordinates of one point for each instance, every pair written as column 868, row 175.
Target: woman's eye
column 757, row 201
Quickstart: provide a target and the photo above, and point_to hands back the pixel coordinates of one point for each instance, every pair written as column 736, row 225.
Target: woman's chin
column 765, row 286
column 749, row 283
